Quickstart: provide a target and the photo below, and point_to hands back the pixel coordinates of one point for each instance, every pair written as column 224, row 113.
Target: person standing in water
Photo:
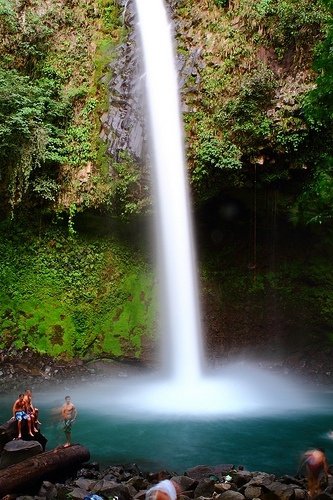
column 316, row 468
column 68, row 414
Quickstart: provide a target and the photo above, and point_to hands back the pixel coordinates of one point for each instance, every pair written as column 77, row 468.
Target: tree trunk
column 16, row 477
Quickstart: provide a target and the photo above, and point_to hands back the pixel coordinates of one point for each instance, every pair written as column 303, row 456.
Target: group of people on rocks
column 23, row 409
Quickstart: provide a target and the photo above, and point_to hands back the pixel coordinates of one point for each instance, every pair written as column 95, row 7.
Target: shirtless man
column 31, row 410
column 68, row 413
column 316, row 467
column 20, row 413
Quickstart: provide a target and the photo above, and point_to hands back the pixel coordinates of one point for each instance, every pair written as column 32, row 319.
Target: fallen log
column 15, row 478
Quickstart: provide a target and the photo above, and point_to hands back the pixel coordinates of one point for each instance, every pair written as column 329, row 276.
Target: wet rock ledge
column 220, row 482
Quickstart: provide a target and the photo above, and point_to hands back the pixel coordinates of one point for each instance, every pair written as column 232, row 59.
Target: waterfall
column 181, row 328
column 240, row 388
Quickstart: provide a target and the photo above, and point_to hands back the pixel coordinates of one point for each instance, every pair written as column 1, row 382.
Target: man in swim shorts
column 68, row 413
column 31, row 410
column 20, row 413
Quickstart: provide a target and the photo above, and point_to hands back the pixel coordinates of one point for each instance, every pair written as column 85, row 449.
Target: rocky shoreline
column 29, row 369
column 220, row 482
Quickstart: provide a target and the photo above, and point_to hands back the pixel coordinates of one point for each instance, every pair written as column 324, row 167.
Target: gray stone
column 48, row 490
column 186, row 483
column 252, row 491
column 111, row 488
column 18, row 450
column 77, row 494
column 205, row 471
column 282, row 491
column 205, row 488
column 262, row 478
column 222, row 487
column 85, row 484
column 241, row 477
column 138, row 482
column 300, row 494
column 232, row 495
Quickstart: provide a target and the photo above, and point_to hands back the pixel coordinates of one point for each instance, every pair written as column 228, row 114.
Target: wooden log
column 15, row 478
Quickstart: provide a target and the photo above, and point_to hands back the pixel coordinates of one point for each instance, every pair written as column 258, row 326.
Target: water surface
column 271, row 441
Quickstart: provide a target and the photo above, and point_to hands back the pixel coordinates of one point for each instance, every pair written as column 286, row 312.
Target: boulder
column 279, row 490
column 18, row 450
column 205, row 488
column 185, row 483
column 252, row 491
column 48, row 490
column 8, row 431
column 112, row 489
column 232, row 495
column 241, row 477
column 204, row 471
column 85, row 484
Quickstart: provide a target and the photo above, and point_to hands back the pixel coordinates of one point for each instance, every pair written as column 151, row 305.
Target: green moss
column 74, row 296
column 125, row 322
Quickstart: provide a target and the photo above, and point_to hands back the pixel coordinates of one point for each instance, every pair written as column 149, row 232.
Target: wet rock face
column 123, row 126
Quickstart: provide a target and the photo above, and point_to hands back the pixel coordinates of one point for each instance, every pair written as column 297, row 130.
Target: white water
column 180, row 314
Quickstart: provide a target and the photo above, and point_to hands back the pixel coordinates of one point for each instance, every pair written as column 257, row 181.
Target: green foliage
column 221, row 3
column 123, row 327
column 314, row 206
column 315, row 203
column 298, row 286
column 66, row 296
column 35, row 38
column 31, row 114
column 245, row 116
column 215, row 153
column 78, row 144
column 290, row 23
column 45, row 188
column 127, row 197
column 318, row 104
column 8, row 21
column 51, row 102
column 22, row 135
column 111, row 14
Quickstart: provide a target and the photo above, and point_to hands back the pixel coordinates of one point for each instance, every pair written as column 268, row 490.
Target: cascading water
column 179, row 296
